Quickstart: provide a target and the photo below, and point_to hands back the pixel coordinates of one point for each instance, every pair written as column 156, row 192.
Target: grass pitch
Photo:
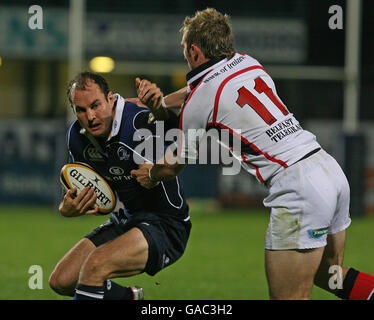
column 224, row 257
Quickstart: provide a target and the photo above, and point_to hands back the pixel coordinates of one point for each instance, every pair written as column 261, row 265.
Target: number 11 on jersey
column 246, row 97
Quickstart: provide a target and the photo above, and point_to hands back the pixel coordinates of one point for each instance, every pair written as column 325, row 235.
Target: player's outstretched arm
column 149, row 175
column 151, row 96
column 176, row 98
column 74, row 205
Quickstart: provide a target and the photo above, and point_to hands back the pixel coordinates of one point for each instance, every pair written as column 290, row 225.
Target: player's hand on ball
column 143, row 177
column 74, row 205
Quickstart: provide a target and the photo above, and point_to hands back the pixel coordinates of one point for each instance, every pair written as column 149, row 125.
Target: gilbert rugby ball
column 80, row 175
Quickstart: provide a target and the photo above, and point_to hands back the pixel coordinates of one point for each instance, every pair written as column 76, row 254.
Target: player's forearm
column 176, row 98
column 165, row 172
column 167, row 167
column 149, row 175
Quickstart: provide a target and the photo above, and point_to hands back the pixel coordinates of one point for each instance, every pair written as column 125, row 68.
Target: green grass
column 224, row 257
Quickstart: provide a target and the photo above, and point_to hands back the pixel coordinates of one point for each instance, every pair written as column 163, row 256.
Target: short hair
column 211, row 31
column 80, row 82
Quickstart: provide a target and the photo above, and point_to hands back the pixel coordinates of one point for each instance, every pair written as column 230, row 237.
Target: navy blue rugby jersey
column 117, row 158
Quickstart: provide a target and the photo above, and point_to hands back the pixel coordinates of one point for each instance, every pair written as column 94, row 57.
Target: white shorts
column 308, row 200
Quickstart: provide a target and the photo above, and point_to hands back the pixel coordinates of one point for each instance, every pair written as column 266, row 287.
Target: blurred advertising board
column 330, row 135
column 30, row 160
column 143, row 36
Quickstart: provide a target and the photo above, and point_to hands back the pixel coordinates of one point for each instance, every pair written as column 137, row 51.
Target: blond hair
column 211, row 31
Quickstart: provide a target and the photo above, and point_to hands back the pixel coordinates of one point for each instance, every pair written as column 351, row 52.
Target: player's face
column 93, row 110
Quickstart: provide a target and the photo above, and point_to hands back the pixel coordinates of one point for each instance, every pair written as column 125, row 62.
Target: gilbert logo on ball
column 80, row 175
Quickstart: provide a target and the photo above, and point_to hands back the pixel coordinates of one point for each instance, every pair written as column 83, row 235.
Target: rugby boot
column 137, row 293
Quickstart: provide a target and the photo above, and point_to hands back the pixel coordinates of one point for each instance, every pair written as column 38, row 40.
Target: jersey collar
column 194, row 76
column 120, row 103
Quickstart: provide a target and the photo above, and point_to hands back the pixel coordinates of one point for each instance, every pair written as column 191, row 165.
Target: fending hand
column 142, row 175
column 149, row 94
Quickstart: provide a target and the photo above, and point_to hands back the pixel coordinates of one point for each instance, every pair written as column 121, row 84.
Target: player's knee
column 58, row 283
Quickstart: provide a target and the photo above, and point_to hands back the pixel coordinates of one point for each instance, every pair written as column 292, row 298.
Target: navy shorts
column 166, row 235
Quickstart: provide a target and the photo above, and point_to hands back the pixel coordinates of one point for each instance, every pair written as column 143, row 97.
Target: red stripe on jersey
column 244, row 158
column 250, row 144
column 256, row 167
column 189, row 98
column 184, row 107
column 224, row 82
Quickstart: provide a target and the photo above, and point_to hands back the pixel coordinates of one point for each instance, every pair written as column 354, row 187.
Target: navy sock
column 84, row 292
column 114, row 291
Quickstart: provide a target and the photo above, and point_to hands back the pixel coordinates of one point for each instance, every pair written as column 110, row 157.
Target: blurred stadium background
column 325, row 76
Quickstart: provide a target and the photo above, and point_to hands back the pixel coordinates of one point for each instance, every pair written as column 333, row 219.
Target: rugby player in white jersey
column 308, row 192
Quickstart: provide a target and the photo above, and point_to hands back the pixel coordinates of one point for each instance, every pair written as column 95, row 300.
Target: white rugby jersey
column 239, row 96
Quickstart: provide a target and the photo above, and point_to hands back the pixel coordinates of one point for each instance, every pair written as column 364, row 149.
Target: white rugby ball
column 80, row 175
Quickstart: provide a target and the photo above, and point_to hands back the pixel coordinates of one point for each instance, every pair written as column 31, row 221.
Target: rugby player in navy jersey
column 149, row 228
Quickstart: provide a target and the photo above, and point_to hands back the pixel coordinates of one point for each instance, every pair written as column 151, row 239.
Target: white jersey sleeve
column 194, row 129
column 237, row 95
